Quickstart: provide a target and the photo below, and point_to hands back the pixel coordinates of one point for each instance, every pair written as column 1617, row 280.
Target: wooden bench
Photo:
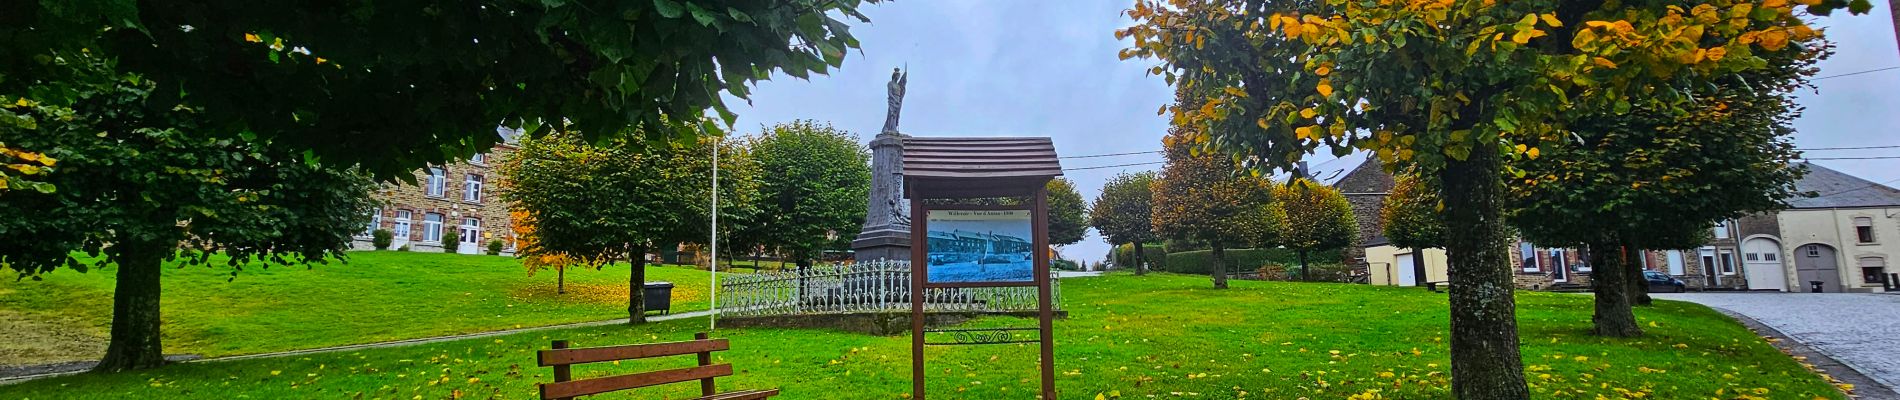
column 1434, row 285
column 563, row 358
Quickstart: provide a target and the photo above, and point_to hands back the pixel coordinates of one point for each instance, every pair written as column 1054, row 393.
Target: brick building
column 461, row 197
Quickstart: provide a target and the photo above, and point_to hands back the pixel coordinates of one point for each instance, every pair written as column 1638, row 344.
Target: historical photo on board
column 980, row 246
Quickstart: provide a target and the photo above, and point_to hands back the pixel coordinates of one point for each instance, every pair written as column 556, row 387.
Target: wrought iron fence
column 871, row 286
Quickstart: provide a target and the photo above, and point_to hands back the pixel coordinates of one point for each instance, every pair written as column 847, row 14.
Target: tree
column 1655, row 179
column 1450, row 88
column 528, row 248
column 1123, row 213
column 437, row 79
column 140, row 185
column 18, row 164
column 1203, row 197
column 1413, row 220
column 1068, row 214
column 1312, row 217
column 604, row 204
column 813, row 200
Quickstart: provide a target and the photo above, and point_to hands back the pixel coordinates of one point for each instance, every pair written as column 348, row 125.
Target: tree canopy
column 136, row 185
column 1068, row 213
column 1411, row 216
column 617, row 202
column 1123, row 212
column 1203, row 197
column 436, row 79
column 813, row 199
column 1312, row 217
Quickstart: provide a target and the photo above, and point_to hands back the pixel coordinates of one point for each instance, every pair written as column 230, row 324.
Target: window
column 1721, row 229
column 1873, row 269
column 478, row 159
column 1583, row 261
column 375, row 221
column 1864, row 229
column 434, row 183
column 1728, row 262
column 472, row 188
column 432, row 227
column 401, row 228
column 1528, row 253
column 1814, row 251
column 1751, row 257
column 1675, row 262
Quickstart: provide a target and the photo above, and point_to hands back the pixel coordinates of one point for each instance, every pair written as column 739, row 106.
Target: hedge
column 1202, row 261
column 1125, row 256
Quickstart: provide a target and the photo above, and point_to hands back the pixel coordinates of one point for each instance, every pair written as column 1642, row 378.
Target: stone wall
column 488, row 210
column 1365, row 188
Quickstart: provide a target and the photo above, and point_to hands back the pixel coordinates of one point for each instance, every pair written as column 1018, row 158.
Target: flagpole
column 712, row 320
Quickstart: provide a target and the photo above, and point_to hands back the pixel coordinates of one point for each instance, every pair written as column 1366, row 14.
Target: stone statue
column 896, row 91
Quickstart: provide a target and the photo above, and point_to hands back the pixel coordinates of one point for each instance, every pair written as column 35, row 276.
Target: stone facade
column 463, row 196
column 1365, row 189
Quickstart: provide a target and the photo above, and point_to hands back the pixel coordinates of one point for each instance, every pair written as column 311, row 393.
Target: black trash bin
column 1814, row 286
column 659, row 297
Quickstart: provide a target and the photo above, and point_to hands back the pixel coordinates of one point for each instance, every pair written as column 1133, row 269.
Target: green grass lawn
column 1161, row 335
column 377, row 296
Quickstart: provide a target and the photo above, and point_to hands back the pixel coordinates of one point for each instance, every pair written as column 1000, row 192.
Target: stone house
column 1843, row 238
column 462, row 196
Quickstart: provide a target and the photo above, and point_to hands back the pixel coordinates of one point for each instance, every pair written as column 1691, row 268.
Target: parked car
column 1660, row 282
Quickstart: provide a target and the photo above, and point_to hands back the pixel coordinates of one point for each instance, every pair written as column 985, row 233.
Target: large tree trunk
column 135, row 312
column 1485, row 362
column 636, row 286
column 1141, row 264
column 1609, row 280
column 1303, row 273
column 1638, row 285
column 1220, row 267
column 1418, row 267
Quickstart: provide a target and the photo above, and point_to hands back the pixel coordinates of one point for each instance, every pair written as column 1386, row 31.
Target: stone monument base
column 882, row 244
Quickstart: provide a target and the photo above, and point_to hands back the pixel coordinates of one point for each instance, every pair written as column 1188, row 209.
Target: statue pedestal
column 882, row 243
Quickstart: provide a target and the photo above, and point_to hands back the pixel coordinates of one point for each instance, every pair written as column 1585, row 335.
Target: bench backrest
column 563, row 358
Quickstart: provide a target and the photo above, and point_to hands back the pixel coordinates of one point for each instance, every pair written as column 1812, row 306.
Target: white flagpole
column 712, row 321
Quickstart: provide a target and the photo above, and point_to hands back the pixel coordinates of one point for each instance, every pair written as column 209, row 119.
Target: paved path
column 1077, row 274
column 63, row 369
column 1858, row 329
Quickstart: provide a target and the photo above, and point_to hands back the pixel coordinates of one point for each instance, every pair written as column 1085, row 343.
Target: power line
column 1853, row 158
column 1858, row 73
column 1113, row 166
column 1855, row 189
column 1850, row 148
column 1114, row 154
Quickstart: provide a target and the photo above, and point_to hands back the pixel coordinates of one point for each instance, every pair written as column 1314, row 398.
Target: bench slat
column 583, row 387
column 742, row 395
column 629, row 352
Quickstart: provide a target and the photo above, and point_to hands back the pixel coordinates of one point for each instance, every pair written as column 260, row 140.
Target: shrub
column 1157, row 255
column 381, row 238
column 494, row 247
column 451, row 241
column 403, row 248
column 1064, row 265
column 1202, row 261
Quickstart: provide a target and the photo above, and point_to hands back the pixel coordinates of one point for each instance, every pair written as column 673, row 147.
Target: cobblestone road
column 1859, row 329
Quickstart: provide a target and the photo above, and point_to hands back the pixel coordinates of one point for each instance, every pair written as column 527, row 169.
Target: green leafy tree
column 436, row 76
column 1205, row 198
column 138, row 186
column 1312, row 217
column 813, row 199
column 1452, row 88
column 1651, row 179
column 1068, row 214
column 597, row 205
column 1412, row 219
column 1123, row 212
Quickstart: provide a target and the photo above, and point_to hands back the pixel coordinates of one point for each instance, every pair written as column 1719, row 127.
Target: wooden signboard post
column 968, row 246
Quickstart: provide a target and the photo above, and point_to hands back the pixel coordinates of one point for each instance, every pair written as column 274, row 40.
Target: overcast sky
column 1004, row 68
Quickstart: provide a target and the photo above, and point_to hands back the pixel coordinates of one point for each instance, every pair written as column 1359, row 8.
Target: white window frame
column 1881, row 263
column 401, row 225
column 433, row 185
column 432, row 230
column 1721, row 229
column 470, row 232
column 472, row 187
column 478, row 159
column 1535, row 264
column 1725, row 260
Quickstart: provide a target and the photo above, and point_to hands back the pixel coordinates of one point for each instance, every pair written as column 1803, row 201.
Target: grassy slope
column 377, row 296
column 1157, row 335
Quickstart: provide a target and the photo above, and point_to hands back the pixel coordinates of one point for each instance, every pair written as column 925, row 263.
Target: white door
column 400, row 230
column 1403, row 270
column 471, row 236
column 1761, row 259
